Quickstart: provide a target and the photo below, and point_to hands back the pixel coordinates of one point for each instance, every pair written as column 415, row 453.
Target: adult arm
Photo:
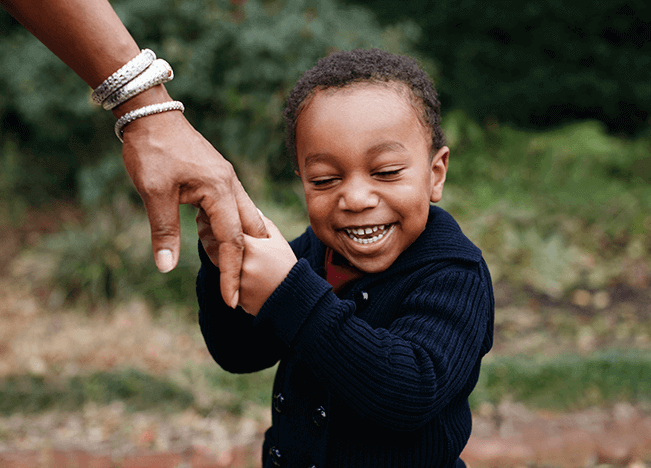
column 168, row 160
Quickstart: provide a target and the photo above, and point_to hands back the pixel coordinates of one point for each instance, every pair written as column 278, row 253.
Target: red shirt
column 339, row 273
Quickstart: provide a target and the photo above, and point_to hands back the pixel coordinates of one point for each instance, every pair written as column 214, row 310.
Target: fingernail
column 164, row 260
column 236, row 299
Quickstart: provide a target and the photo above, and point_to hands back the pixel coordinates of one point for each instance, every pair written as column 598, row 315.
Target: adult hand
column 171, row 163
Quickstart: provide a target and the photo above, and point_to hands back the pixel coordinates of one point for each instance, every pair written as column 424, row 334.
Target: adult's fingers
column 163, row 213
column 222, row 210
column 251, row 219
column 206, row 236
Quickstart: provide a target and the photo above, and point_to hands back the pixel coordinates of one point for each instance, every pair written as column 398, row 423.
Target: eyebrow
column 371, row 152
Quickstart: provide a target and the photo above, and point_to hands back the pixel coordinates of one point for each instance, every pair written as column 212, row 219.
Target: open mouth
column 369, row 234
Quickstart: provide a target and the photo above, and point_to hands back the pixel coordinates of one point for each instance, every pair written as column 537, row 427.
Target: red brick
column 158, row 460
column 615, row 448
column 496, row 453
column 79, row 459
column 573, row 449
column 20, row 459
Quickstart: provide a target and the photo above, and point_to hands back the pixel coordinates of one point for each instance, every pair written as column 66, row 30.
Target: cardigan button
column 319, row 416
column 276, row 457
column 279, row 402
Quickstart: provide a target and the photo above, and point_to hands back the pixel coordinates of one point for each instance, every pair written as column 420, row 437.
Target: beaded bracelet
column 125, row 74
column 143, row 112
column 158, row 72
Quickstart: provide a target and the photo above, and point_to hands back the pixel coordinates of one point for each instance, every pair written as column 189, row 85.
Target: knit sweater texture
column 377, row 378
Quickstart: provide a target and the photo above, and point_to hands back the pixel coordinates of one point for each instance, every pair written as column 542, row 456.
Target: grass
column 137, row 390
column 567, row 383
column 563, row 383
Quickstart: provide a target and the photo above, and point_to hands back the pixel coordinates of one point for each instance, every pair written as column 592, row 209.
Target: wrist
column 156, row 95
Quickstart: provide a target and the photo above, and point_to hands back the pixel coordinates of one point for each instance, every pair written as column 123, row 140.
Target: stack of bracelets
column 139, row 74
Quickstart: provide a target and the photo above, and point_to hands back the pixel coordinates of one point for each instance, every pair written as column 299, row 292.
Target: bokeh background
column 546, row 108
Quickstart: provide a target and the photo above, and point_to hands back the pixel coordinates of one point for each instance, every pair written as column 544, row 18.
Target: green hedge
column 537, row 63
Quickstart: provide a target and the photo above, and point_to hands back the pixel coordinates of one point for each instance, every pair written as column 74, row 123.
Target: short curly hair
column 345, row 68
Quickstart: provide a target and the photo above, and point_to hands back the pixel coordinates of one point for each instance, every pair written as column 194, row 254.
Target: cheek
column 317, row 208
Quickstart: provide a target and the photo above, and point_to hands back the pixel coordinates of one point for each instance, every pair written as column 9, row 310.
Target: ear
column 439, row 171
column 297, row 173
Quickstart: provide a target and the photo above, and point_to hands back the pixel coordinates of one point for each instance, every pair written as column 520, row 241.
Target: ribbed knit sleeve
column 230, row 336
column 400, row 376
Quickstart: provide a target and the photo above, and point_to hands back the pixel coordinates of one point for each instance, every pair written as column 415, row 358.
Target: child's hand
column 266, row 264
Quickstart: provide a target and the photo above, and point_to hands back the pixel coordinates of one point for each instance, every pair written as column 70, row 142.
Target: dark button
column 279, row 402
column 275, row 456
column 319, row 416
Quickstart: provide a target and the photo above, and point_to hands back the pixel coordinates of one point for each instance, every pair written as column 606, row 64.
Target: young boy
column 381, row 323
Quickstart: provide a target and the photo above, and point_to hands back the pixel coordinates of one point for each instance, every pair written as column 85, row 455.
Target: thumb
column 163, row 214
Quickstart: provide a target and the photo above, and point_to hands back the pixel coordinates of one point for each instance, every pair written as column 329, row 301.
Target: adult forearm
column 86, row 34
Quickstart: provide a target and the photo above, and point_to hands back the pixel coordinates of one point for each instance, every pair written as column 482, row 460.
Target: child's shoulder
column 443, row 239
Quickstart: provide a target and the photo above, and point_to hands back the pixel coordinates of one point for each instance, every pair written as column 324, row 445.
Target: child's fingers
column 272, row 229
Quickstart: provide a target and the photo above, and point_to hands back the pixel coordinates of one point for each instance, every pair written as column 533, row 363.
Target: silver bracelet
column 145, row 111
column 158, row 72
column 125, row 74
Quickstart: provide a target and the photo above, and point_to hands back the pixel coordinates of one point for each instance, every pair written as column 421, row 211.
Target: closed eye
column 322, row 182
column 388, row 174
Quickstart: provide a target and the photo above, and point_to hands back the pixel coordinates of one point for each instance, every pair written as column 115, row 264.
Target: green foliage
column 551, row 208
column 235, row 391
column 567, row 382
column 234, row 64
column 110, row 257
column 138, row 391
column 537, row 63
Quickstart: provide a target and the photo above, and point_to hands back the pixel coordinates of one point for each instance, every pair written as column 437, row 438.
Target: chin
column 374, row 266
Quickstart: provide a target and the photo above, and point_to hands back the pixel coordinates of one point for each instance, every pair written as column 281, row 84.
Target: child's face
column 364, row 160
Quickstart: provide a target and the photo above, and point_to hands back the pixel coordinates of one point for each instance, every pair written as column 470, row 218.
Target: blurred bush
column 554, row 210
column 234, row 62
column 537, row 63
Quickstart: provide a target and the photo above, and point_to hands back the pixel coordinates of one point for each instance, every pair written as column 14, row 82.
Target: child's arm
column 230, row 335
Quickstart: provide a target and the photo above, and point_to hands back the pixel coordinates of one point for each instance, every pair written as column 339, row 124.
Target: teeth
column 353, row 232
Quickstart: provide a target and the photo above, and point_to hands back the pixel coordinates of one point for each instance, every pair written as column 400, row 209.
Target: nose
column 357, row 195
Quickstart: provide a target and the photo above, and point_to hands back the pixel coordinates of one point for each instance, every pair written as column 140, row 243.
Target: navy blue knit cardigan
column 378, row 378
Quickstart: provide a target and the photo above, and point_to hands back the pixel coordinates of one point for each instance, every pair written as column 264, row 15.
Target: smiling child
column 381, row 312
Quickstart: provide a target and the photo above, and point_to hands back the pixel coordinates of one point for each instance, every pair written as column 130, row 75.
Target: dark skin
column 169, row 162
